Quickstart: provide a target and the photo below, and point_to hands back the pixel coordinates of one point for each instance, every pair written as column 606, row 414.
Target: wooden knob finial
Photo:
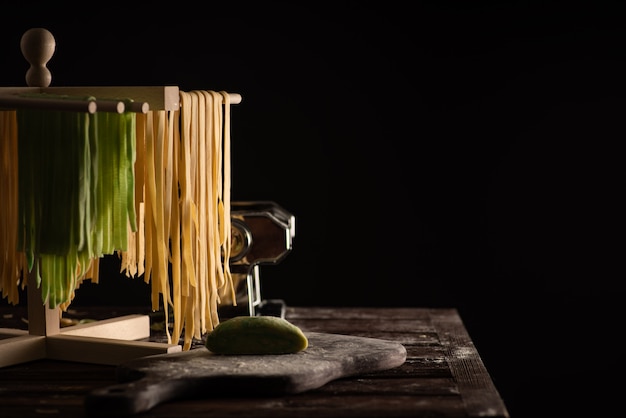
column 38, row 46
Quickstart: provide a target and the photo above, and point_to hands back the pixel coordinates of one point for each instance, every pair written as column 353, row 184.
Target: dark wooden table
column 443, row 375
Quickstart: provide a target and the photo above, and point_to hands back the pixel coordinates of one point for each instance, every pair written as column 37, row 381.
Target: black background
column 445, row 154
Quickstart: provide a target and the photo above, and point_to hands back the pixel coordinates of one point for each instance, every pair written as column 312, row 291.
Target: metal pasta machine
column 262, row 233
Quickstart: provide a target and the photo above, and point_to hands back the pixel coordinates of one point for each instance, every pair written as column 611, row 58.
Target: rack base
column 109, row 342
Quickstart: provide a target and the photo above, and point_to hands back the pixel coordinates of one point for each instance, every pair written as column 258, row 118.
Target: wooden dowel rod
column 235, row 98
column 91, row 106
column 137, row 107
column 11, row 101
column 114, row 106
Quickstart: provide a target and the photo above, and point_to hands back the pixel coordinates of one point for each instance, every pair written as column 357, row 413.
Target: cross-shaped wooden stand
column 110, row 341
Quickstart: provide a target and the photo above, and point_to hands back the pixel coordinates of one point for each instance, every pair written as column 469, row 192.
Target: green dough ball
column 256, row 335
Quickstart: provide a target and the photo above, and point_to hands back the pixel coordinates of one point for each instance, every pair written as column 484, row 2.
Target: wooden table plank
column 443, row 375
column 475, row 385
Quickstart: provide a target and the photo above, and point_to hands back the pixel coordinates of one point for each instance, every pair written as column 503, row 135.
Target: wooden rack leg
column 42, row 320
column 24, row 347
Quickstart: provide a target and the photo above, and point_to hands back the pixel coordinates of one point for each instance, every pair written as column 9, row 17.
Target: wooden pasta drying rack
column 111, row 341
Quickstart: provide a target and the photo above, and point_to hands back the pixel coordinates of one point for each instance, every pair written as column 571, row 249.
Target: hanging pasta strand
column 201, row 196
column 12, row 262
column 189, row 281
column 133, row 259
column 214, row 204
column 175, row 230
column 226, row 198
column 157, row 238
column 194, row 325
column 186, row 197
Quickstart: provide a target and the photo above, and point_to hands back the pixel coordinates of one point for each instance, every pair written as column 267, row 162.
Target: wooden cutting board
column 149, row 381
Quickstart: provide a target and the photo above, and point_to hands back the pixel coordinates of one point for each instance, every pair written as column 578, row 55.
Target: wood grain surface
column 443, row 375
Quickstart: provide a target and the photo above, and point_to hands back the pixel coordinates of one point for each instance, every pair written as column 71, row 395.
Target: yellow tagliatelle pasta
column 183, row 170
